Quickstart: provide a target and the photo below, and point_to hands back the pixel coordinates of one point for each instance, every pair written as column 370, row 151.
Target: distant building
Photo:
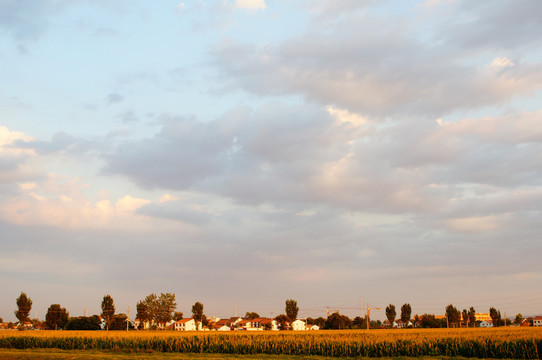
column 482, row 317
column 537, row 321
column 185, row 325
column 298, row 325
column 486, row 324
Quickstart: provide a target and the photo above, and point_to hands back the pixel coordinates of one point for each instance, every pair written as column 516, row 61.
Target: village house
column 298, row 325
column 537, row 321
column 401, row 324
column 185, row 325
column 486, row 324
column 263, row 324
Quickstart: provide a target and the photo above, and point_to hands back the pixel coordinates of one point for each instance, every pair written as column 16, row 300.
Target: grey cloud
column 173, row 211
column 376, row 68
column 128, row 116
column 495, row 24
column 184, row 152
column 25, row 20
column 114, row 98
column 298, row 155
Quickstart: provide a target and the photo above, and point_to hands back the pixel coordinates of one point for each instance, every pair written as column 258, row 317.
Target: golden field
column 521, row 343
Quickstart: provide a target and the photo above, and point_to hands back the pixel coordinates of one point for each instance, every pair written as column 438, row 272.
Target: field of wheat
column 519, row 343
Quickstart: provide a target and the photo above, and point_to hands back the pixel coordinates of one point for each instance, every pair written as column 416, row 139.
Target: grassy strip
column 50, row 354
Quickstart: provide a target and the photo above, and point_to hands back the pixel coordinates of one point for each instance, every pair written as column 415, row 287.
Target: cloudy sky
column 250, row 151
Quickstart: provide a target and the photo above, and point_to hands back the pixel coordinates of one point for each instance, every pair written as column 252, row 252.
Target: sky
column 245, row 152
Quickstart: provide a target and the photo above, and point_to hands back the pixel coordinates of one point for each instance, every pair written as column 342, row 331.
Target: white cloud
column 474, row 224
column 501, row 62
column 344, row 116
column 166, row 198
column 8, row 139
column 128, row 204
column 250, row 4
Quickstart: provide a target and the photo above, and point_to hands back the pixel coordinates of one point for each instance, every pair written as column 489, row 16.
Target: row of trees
column 453, row 317
column 159, row 310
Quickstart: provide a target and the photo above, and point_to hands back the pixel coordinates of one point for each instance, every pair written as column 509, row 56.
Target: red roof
column 537, row 318
column 182, row 321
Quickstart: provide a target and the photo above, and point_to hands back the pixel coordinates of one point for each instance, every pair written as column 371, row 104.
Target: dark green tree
column 320, row 321
column 177, row 315
column 56, row 317
column 143, row 314
column 406, row 311
column 252, row 315
column 151, row 304
column 197, row 313
column 495, row 316
column 472, row 316
column 359, row 323
column 83, row 323
column 24, row 305
column 291, row 309
column 391, row 314
column 428, row 321
column 165, row 306
column 120, row 322
column 338, row 321
column 518, row 319
column 453, row 316
column 283, row 322
column 108, row 310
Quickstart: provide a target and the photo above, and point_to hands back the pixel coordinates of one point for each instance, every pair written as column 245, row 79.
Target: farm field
column 524, row 343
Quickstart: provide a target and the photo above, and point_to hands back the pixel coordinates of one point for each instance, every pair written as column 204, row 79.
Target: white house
column 401, row 324
column 537, row 321
column 214, row 319
column 186, row 325
column 224, row 328
column 486, row 324
column 298, row 325
column 312, row 327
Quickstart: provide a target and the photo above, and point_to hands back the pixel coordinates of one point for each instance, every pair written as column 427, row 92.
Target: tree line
column 158, row 310
column 155, row 310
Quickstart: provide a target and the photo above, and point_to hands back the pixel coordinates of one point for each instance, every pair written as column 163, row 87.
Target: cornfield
column 519, row 343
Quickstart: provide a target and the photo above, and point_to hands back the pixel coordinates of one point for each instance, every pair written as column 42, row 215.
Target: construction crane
column 369, row 314
column 337, row 309
column 368, row 311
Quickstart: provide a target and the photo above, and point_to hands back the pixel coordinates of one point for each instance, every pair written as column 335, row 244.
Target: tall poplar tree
column 108, row 310
column 391, row 314
column 291, row 309
column 406, row 311
column 24, row 305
